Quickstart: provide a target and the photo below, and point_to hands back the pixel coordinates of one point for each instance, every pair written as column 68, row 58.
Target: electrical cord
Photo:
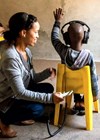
column 60, row 128
column 64, row 118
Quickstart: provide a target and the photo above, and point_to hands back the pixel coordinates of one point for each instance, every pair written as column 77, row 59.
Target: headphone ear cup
column 86, row 37
column 66, row 38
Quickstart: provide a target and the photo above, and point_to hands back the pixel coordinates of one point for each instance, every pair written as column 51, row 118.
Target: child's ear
column 22, row 33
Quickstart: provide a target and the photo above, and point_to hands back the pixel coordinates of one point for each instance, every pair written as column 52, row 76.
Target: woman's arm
column 49, row 72
column 12, row 73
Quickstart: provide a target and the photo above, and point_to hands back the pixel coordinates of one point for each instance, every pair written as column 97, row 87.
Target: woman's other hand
column 57, row 97
column 53, row 73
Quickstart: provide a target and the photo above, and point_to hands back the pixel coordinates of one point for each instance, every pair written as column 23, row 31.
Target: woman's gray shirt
column 13, row 76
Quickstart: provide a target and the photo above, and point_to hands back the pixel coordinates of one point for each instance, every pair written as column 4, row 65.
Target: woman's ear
column 22, row 33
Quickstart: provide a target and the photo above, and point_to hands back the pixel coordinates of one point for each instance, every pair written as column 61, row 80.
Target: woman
column 22, row 97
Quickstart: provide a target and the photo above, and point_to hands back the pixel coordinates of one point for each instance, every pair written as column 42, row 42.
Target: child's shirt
column 75, row 59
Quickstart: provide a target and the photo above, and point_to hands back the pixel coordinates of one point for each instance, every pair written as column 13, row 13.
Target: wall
column 85, row 10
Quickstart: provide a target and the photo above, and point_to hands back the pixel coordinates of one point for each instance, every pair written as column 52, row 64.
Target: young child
column 70, row 55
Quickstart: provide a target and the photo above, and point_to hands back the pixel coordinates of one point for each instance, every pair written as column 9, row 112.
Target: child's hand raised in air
column 58, row 14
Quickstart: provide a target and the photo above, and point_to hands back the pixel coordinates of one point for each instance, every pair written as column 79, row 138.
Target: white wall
column 85, row 10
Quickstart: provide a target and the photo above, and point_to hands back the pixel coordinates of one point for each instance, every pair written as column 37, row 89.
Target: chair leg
column 56, row 116
column 88, row 101
column 68, row 100
column 96, row 106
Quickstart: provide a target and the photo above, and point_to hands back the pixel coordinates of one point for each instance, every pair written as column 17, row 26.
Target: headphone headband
column 76, row 21
column 66, row 35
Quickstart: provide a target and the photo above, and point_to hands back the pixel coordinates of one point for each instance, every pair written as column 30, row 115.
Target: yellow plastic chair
column 80, row 82
column 2, row 38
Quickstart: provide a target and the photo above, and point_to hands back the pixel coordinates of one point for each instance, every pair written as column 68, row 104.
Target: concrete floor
column 74, row 128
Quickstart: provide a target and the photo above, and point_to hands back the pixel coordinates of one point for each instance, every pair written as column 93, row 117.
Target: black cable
column 60, row 128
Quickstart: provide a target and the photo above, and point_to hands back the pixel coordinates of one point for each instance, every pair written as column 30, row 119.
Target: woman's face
column 32, row 34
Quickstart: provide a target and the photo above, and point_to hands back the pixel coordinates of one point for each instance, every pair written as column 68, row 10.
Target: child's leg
column 77, row 97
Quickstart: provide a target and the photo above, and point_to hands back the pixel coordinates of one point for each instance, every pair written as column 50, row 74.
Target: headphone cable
column 60, row 128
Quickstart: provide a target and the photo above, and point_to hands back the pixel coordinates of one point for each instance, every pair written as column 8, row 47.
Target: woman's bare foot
column 28, row 122
column 7, row 131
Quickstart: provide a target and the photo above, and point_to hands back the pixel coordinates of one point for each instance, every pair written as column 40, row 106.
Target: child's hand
column 58, row 14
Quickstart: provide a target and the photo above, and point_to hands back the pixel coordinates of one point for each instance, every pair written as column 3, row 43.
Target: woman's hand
column 57, row 97
column 53, row 73
column 58, row 14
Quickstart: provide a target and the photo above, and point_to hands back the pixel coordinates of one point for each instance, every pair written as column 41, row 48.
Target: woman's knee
column 38, row 110
column 49, row 87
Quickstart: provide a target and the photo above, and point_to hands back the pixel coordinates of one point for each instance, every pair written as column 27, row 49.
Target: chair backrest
column 77, row 80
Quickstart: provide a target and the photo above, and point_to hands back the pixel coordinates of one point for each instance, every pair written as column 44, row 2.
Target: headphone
column 66, row 34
